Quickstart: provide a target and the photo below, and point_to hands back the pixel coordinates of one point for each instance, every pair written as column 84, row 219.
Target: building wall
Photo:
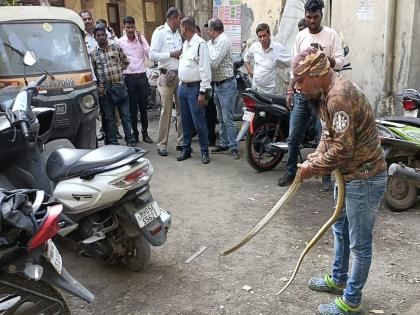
column 200, row 10
column 255, row 12
column 366, row 40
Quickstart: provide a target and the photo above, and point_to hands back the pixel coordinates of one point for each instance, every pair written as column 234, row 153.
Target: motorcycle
column 266, row 116
column 108, row 208
column 243, row 82
column 410, row 102
column 30, row 264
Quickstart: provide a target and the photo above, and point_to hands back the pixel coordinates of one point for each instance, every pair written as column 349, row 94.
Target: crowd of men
column 192, row 71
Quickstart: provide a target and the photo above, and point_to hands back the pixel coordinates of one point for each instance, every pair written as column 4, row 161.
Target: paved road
column 214, row 205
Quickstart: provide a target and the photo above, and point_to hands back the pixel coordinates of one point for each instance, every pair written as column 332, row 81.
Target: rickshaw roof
column 27, row 13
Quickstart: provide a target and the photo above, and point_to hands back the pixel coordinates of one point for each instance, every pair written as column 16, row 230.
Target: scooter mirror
column 30, row 58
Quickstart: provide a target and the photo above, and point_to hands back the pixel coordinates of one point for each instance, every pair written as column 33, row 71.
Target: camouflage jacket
column 349, row 139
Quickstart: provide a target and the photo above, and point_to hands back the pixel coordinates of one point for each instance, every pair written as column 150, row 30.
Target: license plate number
column 60, row 109
column 411, row 113
column 147, row 214
column 54, row 257
column 248, row 116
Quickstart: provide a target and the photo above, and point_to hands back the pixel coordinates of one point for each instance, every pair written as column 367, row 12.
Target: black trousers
column 211, row 117
column 138, row 94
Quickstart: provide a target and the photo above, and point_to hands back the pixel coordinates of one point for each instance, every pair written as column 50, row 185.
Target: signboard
column 229, row 12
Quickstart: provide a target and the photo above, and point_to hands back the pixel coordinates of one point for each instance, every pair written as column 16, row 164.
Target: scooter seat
column 66, row 162
column 412, row 121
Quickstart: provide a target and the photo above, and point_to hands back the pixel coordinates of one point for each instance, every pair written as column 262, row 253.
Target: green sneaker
column 325, row 285
column 339, row 307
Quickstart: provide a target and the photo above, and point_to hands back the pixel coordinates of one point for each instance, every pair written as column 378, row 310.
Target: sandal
column 339, row 307
column 325, row 285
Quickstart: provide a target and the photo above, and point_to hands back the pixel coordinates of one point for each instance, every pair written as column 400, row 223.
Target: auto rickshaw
column 56, row 35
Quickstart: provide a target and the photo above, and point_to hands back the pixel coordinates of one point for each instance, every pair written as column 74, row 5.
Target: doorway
column 154, row 12
column 114, row 17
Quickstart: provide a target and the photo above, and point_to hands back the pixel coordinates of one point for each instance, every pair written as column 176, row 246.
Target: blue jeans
column 300, row 120
column 224, row 99
column 192, row 115
column 353, row 232
column 108, row 119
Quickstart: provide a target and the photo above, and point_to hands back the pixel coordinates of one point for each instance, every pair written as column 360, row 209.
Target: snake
column 293, row 188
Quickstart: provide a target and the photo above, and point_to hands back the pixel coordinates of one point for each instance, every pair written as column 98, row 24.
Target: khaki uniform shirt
column 350, row 139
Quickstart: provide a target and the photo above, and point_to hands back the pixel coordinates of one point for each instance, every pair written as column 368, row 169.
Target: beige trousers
column 167, row 95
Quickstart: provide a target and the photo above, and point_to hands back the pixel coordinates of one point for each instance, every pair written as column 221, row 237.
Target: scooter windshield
column 59, row 46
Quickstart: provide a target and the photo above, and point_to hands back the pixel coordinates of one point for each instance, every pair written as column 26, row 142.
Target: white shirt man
column 194, row 63
column 165, row 49
column 266, row 56
column 266, row 63
column 195, row 76
column 164, row 41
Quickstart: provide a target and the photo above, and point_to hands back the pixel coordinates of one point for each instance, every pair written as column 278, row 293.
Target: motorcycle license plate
column 411, row 113
column 54, row 257
column 248, row 116
column 147, row 214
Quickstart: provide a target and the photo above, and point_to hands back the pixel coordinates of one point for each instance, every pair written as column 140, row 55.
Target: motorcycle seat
column 412, row 121
column 270, row 98
column 67, row 162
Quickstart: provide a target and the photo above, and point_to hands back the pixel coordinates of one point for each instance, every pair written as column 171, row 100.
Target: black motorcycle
column 266, row 117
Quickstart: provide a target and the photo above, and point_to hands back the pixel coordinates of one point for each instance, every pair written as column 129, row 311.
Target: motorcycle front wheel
column 400, row 195
column 32, row 297
column 255, row 146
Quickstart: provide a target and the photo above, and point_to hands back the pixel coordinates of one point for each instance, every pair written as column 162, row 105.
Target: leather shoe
column 286, row 180
column 162, row 152
column 219, row 149
column 184, row 155
column 131, row 144
column 136, row 139
column 205, row 158
column 147, row 139
column 179, row 148
column 235, row 155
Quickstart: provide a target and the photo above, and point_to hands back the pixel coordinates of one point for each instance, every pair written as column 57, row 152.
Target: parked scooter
column 108, row 207
column 400, row 138
column 30, row 264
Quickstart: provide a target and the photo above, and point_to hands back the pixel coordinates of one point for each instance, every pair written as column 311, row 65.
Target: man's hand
column 175, row 54
column 313, row 156
column 201, row 100
column 138, row 34
column 101, row 89
column 289, row 101
column 305, row 171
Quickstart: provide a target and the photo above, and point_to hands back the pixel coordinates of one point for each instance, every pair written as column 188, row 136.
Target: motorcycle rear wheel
column 138, row 253
column 31, row 293
column 256, row 154
column 400, row 195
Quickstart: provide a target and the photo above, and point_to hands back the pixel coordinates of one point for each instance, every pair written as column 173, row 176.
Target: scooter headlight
column 140, row 176
column 88, row 101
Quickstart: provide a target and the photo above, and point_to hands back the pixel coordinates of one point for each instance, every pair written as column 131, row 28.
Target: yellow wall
column 134, row 8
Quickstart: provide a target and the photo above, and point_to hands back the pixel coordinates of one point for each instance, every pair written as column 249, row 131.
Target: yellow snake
column 283, row 200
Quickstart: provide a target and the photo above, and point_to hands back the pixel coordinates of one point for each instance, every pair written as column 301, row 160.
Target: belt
column 191, row 84
column 223, row 81
column 164, row 71
column 136, row 75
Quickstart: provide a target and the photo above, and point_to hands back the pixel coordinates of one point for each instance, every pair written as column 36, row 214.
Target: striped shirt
column 114, row 62
column 221, row 61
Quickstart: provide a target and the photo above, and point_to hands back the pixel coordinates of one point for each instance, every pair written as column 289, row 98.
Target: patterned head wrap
column 310, row 62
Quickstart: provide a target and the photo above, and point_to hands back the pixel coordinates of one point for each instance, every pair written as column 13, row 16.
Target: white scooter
column 108, row 208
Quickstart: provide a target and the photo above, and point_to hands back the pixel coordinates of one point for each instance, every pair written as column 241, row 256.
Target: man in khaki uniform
column 165, row 49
